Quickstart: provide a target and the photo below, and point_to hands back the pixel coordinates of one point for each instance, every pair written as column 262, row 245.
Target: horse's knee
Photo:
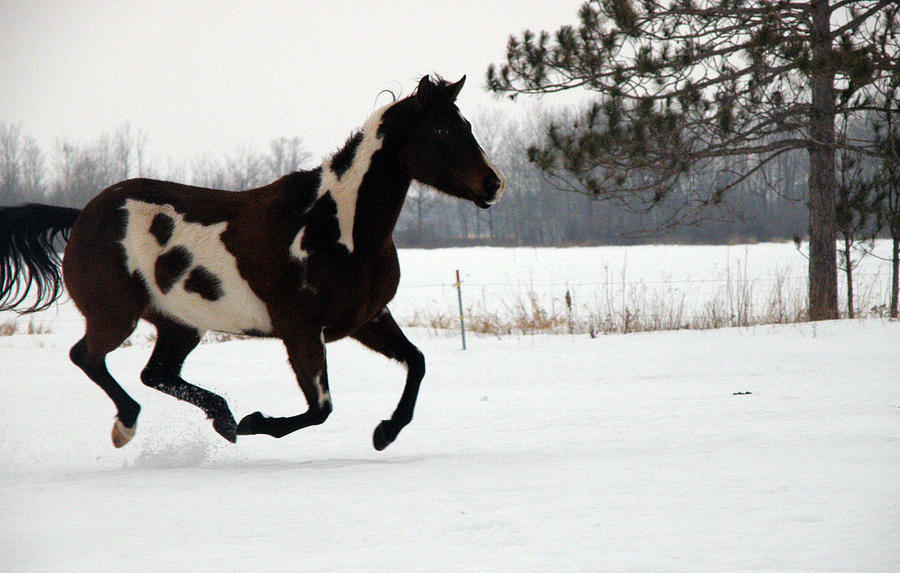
column 157, row 376
column 415, row 363
column 320, row 412
column 151, row 376
column 78, row 354
column 91, row 365
column 158, row 372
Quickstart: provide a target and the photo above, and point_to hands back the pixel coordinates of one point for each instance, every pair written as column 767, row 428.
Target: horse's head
column 441, row 151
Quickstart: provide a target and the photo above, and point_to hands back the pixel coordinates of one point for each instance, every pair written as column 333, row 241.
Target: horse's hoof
column 122, row 434
column 383, row 435
column 227, row 428
column 250, row 424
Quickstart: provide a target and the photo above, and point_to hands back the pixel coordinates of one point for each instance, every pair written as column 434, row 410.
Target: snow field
column 624, row 452
column 553, row 452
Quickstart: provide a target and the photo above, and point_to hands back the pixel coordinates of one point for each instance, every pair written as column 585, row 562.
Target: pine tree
column 886, row 125
column 684, row 84
column 854, row 207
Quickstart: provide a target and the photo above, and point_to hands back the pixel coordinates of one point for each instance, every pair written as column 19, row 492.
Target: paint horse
column 308, row 259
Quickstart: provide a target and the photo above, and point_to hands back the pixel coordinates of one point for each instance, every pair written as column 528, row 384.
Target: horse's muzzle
column 492, row 186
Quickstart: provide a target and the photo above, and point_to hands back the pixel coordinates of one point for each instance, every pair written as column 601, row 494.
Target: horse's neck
column 367, row 185
column 368, row 204
column 380, row 201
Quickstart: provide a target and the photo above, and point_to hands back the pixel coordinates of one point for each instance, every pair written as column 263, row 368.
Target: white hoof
column 122, row 434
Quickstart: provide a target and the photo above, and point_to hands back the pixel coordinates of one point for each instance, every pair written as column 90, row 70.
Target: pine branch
column 859, row 19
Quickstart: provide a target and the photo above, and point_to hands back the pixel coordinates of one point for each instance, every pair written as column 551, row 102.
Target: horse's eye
column 442, row 131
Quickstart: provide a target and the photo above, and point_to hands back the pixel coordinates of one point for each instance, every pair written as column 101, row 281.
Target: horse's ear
column 425, row 90
column 454, row 89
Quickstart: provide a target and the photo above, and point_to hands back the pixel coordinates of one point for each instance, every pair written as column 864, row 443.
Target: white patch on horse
column 237, row 310
column 499, row 176
column 122, row 434
column 324, row 394
column 492, row 167
column 345, row 190
column 296, row 248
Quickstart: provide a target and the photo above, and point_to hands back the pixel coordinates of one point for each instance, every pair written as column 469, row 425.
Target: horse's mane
column 394, row 97
column 438, row 83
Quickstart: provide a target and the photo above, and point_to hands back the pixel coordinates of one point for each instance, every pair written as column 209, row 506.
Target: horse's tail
column 29, row 237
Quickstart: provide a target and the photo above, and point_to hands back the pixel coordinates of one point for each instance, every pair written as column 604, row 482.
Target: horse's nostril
column 491, row 183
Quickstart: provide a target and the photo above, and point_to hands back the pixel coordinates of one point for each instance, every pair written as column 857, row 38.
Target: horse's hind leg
column 383, row 335
column 89, row 354
column 163, row 372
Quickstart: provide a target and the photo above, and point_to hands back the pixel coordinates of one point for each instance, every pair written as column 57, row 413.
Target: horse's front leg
column 383, row 335
column 306, row 352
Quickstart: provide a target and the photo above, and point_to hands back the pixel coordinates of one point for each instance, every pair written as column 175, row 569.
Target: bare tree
column 421, row 201
column 245, row 168
column 32, row 170
column 207, row 172
column 286, row 155
column 10, row 167
column 123, row 148
column 82, row 171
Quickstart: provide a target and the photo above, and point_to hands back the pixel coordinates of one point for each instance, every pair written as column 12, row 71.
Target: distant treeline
column 769, row 206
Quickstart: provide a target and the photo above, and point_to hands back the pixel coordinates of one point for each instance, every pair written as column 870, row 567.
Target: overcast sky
column 205, row 77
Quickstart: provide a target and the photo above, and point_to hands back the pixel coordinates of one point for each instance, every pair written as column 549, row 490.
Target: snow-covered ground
column 559, row 453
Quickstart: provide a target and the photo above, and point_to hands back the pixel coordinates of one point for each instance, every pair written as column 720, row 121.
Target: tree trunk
column 822, row 184
column 847, row 261
column 895, row 275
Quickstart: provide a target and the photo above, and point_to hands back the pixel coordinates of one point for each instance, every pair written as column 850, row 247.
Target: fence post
column 462, row 324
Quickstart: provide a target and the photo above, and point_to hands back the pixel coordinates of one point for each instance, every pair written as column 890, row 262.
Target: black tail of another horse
column 29, row 238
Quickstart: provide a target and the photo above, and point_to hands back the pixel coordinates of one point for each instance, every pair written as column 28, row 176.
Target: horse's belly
column 188, row 272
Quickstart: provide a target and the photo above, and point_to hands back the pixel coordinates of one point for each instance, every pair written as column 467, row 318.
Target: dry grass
column 636, row 307
column 615, row 307
column 34, row 328
column 11, row 327
column 8, row 328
